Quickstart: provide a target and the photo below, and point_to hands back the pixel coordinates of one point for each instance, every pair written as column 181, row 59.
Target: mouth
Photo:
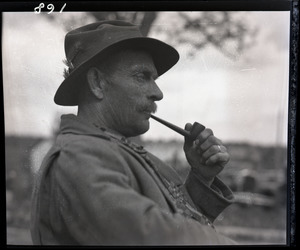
column 148, row 113
column 149, row 110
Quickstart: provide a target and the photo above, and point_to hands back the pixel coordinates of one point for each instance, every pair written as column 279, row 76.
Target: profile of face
column 130, row 94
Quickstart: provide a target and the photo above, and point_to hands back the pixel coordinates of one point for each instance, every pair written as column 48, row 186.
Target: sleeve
column 98, row 206
column 210, row 200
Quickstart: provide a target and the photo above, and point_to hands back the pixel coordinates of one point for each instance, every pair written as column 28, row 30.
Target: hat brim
column 164, row 57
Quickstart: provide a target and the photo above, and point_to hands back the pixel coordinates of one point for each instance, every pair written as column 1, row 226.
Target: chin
column 139, row 129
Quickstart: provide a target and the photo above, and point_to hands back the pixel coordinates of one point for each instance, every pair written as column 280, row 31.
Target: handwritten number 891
column 50, row 7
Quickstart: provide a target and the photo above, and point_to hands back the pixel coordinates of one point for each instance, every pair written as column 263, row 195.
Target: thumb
column 188, row 126
column 187, row 141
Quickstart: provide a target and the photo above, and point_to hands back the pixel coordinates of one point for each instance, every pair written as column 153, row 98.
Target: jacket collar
column 72, row 124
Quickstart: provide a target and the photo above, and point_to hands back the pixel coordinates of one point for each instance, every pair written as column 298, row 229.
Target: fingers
column 211, row 148
column 206, row 145
column 206, row 139
column 214, row 149
column 220, row 158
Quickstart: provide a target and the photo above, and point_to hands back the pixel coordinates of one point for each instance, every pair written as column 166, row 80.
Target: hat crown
column 84, row 42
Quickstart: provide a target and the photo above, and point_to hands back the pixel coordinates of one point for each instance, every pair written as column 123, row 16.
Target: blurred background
column 232, row 77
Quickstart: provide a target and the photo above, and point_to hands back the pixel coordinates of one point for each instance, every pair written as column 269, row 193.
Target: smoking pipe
column 196, row 129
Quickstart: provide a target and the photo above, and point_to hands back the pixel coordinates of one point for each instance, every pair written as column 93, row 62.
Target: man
column 95, row 187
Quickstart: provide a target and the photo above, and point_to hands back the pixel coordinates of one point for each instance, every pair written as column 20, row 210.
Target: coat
column 96, row 189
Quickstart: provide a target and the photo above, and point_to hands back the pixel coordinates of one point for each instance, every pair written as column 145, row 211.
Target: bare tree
column 223, row 30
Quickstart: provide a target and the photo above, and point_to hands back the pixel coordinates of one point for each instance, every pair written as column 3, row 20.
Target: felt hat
column 95, row 41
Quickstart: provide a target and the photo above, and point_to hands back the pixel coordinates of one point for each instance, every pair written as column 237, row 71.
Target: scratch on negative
column 250, row 69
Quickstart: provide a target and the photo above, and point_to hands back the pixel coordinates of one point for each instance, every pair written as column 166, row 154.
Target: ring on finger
column 219, row 147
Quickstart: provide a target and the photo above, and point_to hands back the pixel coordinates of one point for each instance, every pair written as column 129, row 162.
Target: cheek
column 124, row 110
column 133, row 101
column 127, row 99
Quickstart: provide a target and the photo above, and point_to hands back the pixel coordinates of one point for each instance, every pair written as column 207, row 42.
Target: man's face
column 131, row 92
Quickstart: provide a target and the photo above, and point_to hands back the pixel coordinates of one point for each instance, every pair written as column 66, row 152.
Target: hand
column 206, row 154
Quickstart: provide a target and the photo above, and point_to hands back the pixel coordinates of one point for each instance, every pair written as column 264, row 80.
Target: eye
column 142, row 76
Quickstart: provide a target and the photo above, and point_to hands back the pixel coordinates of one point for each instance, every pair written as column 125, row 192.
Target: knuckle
column 202, row 146
column 206, row 133
column 212, row 139
column 219, row 141
column 227, row 157
column 209, row 131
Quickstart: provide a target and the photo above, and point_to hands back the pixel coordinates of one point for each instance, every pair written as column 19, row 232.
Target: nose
column 155, row 93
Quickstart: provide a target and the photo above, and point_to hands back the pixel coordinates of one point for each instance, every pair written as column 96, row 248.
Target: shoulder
column 88, row 153
column 87, row 144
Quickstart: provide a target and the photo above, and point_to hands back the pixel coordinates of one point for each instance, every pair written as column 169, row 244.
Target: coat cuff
column 210, row 200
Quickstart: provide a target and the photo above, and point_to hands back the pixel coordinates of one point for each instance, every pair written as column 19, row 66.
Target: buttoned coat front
column 95, row 189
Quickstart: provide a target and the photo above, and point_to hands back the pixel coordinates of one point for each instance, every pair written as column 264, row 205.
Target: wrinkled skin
column 130, row 93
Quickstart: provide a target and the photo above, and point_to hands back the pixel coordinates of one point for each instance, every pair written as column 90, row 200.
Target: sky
column 241, row 100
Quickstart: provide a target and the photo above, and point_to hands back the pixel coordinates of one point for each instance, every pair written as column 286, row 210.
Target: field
column 256, row 174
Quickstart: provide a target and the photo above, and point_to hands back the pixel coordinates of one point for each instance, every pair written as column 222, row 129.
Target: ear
column 96, row 80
